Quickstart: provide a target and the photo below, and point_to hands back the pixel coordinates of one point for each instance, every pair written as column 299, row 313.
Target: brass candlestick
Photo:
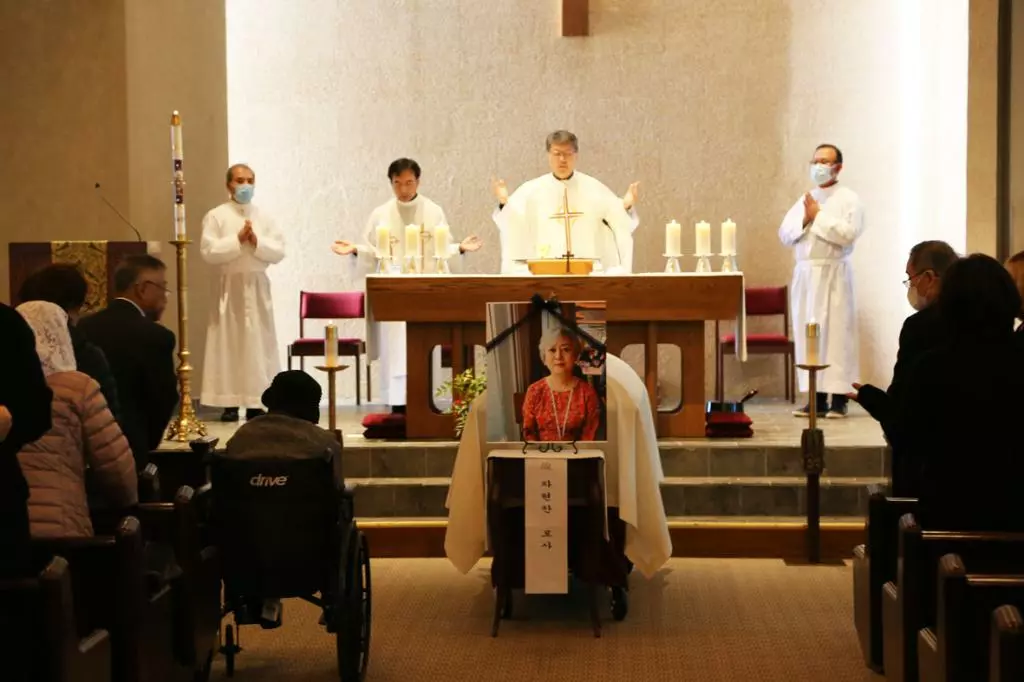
column 332, row 393
column 424, row 238
column 187, row 424
column 812, row 444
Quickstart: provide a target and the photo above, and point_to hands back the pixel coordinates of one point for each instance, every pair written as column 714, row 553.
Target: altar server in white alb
column 532, row 220
column 386, row 236
column 242, row 356
column 822, row 227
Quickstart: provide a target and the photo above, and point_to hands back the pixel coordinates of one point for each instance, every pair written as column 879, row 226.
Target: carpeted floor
column 698, row 619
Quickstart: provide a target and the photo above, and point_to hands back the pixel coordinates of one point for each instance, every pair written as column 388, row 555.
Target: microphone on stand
column 99, row 193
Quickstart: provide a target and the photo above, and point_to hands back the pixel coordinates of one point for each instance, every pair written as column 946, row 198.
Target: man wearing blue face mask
column 241, row 344
column 822, row 227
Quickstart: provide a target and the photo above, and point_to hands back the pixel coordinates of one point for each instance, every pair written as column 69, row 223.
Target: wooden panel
column 575, row 18
column 636, row 298
column 27, row 257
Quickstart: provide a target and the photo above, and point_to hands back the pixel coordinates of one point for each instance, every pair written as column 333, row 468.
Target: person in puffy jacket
column 84, row 434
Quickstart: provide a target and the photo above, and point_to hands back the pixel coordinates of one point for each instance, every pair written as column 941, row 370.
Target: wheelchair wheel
column 620, row 603
column 353, row 611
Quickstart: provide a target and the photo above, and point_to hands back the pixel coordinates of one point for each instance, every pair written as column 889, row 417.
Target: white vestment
column 822, row 288
column 388, row 340
column 242, row 355
column 604, row 231
column 633, row 477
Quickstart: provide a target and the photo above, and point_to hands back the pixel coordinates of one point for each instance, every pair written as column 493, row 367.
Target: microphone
column 614, row 241
column 99, row 193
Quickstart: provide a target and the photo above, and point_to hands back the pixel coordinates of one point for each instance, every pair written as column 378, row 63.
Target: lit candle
column 178, row 173
column 703, row 231
column 383, row 241
column 331, row 345
column 412, row 240
column 813, row 344
column 673, row 239
column 728, row 238
column 442, row 241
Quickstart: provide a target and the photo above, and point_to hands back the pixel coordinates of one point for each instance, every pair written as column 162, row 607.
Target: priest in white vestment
column 633, row 477
column 242, row 356
column 387, row 224
column 822, row 227
column 530, row 220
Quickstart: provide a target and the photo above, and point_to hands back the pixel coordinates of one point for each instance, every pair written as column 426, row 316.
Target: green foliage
column 463, row 389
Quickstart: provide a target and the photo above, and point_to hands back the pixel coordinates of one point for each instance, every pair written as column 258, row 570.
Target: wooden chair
column 874, row 564
column 761, row 302
column 344, row 305
column 1006, row 652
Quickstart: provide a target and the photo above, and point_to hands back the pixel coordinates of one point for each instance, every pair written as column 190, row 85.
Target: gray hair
column 562, row 137
column 549, row 338
column 934, row 255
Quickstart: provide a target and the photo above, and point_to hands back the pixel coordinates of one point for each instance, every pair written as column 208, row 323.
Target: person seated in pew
column 65, row 285
column 288, row 431
column 956, row 417
column 922, row 331
column 83, row 434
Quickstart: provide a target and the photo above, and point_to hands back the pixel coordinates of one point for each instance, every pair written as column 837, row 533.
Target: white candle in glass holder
column 728, row 238
column 412, row 240
column 703, row 233
column 673, row 239
column 442, row 241
column 383, row 241
column 813, row 338
column 331, row 345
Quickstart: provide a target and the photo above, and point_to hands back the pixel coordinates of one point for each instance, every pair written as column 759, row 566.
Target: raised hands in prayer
column 246, row 235
column 811, row 209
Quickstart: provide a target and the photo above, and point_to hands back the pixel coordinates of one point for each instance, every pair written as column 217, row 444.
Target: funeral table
column 646, row 309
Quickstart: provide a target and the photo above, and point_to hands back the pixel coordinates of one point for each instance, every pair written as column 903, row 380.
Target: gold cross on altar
column 567, row 217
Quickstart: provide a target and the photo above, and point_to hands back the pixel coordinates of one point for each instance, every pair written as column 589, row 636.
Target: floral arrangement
column 463, row 389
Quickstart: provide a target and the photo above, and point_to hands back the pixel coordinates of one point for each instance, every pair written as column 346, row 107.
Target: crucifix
column 575, row 19
column 566, row 216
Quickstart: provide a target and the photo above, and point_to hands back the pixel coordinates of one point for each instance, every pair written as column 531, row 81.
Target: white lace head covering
column 49, row 322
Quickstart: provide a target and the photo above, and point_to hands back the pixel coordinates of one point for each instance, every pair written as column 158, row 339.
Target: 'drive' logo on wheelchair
column 261, row 481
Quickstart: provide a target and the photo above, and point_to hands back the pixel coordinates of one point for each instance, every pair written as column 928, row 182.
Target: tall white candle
column 412, row 240
column 813, row 338
column 703, row 232
column 178, row 170
column 728, row 238
column 673, row 239
column 383, row 241
column 331, row 345
column 442, row 241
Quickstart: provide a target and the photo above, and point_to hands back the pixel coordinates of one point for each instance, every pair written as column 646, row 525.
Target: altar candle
column 813, row 344
column 703, row 231
column 673, row 239
column 728, row 238
column 178, row 174
column 331, row 345
column 383, row 241
column 412, row 240
column 442, row 241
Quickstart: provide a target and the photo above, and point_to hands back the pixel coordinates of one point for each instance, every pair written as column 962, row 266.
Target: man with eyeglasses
column 532, row 220
column 140, row 351
column 822, row 227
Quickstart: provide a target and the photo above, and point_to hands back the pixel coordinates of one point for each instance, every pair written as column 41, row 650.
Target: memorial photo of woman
column 562, row 406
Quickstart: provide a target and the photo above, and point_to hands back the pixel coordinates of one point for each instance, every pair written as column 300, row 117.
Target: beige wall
column 982, row 133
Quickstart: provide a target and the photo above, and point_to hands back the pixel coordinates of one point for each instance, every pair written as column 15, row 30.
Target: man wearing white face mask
column 241, row 344
column 822, row 227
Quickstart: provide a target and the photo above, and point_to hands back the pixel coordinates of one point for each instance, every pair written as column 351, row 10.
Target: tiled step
column 683, row 496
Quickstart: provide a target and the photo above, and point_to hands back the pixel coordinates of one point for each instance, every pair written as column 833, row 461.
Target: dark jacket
column 280, row 436
column 91, row 361
column 25, row 394
column 956, row 426
column 140, row 353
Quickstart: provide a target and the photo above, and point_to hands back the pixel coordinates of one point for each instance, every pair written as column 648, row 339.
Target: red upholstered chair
column 345, row 305
column 761, row 302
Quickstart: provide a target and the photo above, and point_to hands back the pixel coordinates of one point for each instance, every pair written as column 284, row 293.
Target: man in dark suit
column 140, row 352
column 922, row 331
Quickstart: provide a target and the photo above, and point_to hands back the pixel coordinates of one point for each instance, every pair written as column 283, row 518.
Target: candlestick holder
column 704, row 264
column 383, row 265
column 672, row 266
column 410, row 266
column 441, row 266
column 812, row 444
column 729, row 262
column 425, row 238
column 186, row 425
column 332, row 393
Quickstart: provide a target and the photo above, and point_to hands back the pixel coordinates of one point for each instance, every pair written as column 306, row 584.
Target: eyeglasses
column 909, row 281
column 562, row 155
column 158, row 285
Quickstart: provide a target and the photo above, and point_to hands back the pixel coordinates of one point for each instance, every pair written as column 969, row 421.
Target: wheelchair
column 284, row 530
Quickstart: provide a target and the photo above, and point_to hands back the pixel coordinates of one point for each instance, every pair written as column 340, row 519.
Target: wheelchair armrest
column 347, row 502
column 349, row 492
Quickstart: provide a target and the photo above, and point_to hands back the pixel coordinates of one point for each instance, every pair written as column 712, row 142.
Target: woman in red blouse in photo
column 560, row 407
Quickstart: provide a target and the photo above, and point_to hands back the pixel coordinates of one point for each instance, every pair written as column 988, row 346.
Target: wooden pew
column 183, row 467
column 957, row 648
column 874, row 564
column 1006, row 651
column 43, row 610
column 114, row 592
column 908, row 604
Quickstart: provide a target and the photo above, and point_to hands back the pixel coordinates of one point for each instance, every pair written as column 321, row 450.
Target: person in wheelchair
column 288, row 431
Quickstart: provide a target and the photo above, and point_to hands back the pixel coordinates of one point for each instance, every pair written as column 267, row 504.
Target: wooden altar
column 643, row 309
